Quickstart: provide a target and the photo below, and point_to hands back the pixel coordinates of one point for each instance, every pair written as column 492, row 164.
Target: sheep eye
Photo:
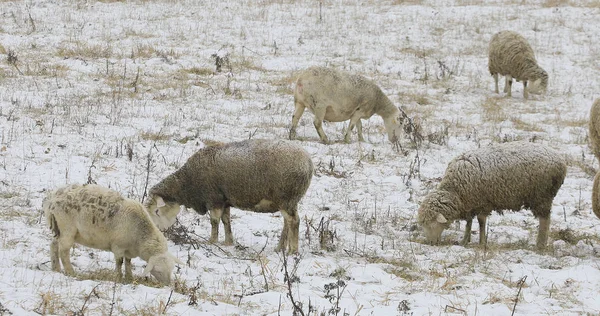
column 156, row 212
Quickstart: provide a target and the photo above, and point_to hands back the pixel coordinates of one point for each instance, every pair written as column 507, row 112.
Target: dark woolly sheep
column 262, row 176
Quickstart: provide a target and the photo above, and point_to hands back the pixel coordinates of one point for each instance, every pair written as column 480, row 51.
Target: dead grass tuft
column 492, row 110
column 85, row 50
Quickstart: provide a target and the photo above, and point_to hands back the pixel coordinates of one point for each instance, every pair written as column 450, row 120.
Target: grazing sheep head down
column 540, row 85
column 394, row 127
column 160, row 266
column 430, row 215
column 163, row 213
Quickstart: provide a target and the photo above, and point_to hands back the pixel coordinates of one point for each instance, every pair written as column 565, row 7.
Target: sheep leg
column 467, row 236
column 54, row 255
column 215, row 218
column 542, row 237
column 318, row 122
column 496, row 81
column 481, row 219
column 508, row 85
column 128, row 273
column 359, row 130
column 64, row 247
column 226, row 219
column 353, row 122
column 290, row 232
column 295, row 118
column 525, row 90
column 118, row 266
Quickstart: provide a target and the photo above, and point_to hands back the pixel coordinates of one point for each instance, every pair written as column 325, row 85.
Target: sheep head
column 163, row 213
column 394, row 126
column 161, row 266
column 539, row 85
column 431, row 213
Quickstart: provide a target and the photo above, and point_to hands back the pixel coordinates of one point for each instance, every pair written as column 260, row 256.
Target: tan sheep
column 511, row 55
column 596, row 195
column 594, row 126
column 263, row 176
column 508, row 176
column 336, row 96
column 101, row 218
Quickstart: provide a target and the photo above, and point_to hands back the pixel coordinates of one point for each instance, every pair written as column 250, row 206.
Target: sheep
column 101, row 218
column 511, row 55
column 594, row 126
column 336, row 96
column 508, row 176
column 596, row 195
column 257, row 175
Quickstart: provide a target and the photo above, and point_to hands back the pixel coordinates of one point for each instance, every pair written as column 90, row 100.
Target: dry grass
column 84, row 50
column 492, row 110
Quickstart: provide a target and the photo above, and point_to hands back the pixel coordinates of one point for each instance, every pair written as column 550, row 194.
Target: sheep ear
column 159, row 201
column 148, row 268
column 441, row 219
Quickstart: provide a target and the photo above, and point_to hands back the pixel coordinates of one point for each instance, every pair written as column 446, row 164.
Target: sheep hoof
column 228, row 243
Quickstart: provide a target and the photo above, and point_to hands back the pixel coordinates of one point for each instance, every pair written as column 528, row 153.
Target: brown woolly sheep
column 262, row 176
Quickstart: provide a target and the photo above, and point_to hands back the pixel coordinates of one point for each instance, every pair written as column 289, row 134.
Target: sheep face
column 162, row 213
column 161, row 267
column 430, row 215
column 393, row 126
column 537, row 86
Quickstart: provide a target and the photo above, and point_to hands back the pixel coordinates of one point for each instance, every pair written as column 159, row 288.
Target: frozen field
column 121, row 93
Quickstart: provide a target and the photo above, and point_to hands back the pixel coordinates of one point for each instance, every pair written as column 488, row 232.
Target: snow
column 100, row 86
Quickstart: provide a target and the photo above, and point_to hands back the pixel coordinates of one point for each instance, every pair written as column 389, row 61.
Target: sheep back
column 594, row 128
column 506, row 176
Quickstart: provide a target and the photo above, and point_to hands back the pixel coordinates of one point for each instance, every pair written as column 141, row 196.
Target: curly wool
column 508, row 176
column 510, row 54
column 594, row 128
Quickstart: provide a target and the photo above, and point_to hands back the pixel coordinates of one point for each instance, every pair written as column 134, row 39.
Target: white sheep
column 262, row 176
column 594, row 126
column 508, row 176
column 336, row 96
column 511, row 55
column 101, row 218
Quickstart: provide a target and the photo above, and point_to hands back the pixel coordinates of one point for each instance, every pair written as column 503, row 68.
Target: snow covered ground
column 121, row 93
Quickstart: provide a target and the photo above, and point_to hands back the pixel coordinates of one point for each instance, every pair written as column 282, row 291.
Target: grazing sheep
column 596, row 195
column 511, row 55
column 595, row 128
column 262, row 176
column 508, row 176
column 336, row 96
column 101, row 218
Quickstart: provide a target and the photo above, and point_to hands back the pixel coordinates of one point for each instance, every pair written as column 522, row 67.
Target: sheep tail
column 596, row 195
column 53, row 225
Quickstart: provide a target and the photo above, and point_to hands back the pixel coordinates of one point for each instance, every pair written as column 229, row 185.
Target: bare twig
column 289, row 280
column 520, row 285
